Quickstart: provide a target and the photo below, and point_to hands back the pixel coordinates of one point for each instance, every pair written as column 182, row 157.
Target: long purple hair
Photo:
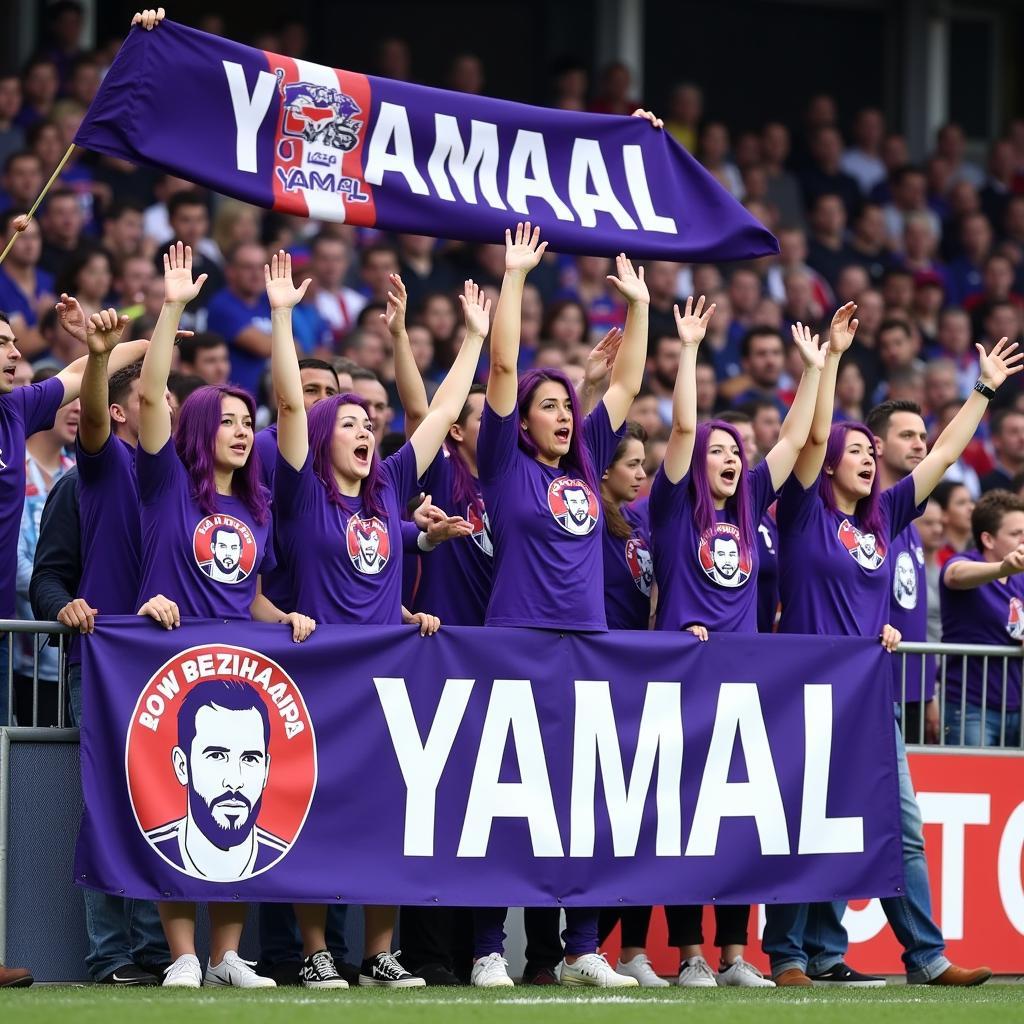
column 700, row 486
column 323, row 418
column 867, row 510
column 465, row 489
column 195, row 440
column 577, row 459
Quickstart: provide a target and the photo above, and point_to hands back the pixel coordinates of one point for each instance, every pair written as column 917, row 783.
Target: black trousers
column 437, row 935
column 24, row 702
column 684, row 925
column 635, row 922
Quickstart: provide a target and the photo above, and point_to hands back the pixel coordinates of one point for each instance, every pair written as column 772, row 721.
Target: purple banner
column 485, row 767
column 320, row 142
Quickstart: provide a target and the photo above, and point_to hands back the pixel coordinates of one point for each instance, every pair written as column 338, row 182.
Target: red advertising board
column 973, row 810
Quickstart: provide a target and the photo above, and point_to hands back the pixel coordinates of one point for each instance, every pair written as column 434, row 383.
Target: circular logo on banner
column 573, row 504
column 369, row 546
column 220, row 760
column 865, row 549
column 1015, row 619
column 641, row 565
column 722, row 556
column 481, row 530
column 904, row 582
column 224, row 548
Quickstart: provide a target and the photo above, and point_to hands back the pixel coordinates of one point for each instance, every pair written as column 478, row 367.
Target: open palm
column 178, row 283
column 807, row 345
column 476, row 309
column 278, row 278
column 628, row 281
column 844, row 327
column 525, row 251
column 692, row 325
column 397, row 301
column 1003, row 361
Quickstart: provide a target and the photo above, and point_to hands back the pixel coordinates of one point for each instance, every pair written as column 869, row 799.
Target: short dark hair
column 181, row 385
column 119, row 207
column 989, row 511
column 373, row 250
column 897, row 175
column 759, row 331
column 362, row 373
column 944, row 492
column 21, row 154
column 44, row 373
column 318, row 364
column 188, row 198
column 202, row 341
column 737, row 417
column 5, row 318
column 755, row 405
column 877, row 421
column 999, row 418
column 120, row 383
column 891, row 324
column 656, row 341
column 229, row 694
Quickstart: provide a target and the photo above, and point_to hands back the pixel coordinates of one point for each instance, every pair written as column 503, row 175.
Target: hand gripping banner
column 485, row 767
column 315, row 141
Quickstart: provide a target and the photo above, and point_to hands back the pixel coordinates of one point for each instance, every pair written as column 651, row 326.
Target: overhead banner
column 319, row 142
column 221, row 761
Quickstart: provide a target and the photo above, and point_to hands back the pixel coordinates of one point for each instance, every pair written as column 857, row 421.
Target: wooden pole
column 35, row 206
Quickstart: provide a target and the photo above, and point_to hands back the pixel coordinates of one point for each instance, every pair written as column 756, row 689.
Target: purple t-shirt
column 207, row 564
column 767, row 573
column 23, row 411
column 990, row 614
column 108, row 508
column 833, row 577
column 266, row 447
column 908, row 612
column 628, row 572
column 546, row 528
column 346, row 564
column 455, row 578
column 706, row 578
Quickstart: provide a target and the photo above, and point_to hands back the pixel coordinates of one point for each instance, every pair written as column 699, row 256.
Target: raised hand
column 1013, row 563
column 525, row 252
column 278, row 278
column 629, row 282
column 397, row 301
column 72, row 317
column 692, row 325
column 1003, row 361
column 476, row 309
column 844, row 327
column 601, row 358
column 178, row 284
column 104, row 331
column 648, row 115
column 807, row 345
column 148, row 19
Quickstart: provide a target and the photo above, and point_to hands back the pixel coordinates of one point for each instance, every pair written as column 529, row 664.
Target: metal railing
column 41, row 633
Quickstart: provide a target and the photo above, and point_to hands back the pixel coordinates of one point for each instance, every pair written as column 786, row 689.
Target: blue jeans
column 811, row 937
column 121, row 931
column 280, row 941
column 977, row 719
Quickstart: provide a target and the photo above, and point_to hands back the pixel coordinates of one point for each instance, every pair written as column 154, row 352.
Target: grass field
column 895, row 1004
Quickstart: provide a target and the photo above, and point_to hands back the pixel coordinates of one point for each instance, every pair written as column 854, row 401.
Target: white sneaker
column 236, row 972
column 743, row 975
column 491, row 971
column 185, row 972
column 696, row 973
column 640, row 968
column 594, row 969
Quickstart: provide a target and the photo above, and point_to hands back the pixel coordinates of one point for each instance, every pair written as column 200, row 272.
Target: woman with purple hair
column 540, row 462
column 705, row 506
column 339, row 510
column 833, row 513
column 206, row 526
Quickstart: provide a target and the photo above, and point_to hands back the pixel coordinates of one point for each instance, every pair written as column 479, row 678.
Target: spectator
column 920, row 246
column 439, row 315
column 133, row 276
column 571, row 82
column 793, row 256
column 337, row 304
column 421, row 269
column 89, row 276
column 12, row 138
column 898, row 347
column 941, row 386
column 64, row 30
column 783, row 187
column 950, row 144
column 863, row 160
column 909, row 190
column 996, row 287
column 684, row 114
column 189, row 221
column 367, row 385
column 662, row 277
column 240, row 313
column 40, row 84
column 801, row 304
column 63, row 224
column 929, row 299
column 645, row 411
column 852, row 283
column 766, row 421
column 393, row 59
column 466, row 74
column 662, row 367
column 868, row 241
column 850, row 393
column 1007, row 426
column 205, row 355
column 26, row 291
column 953, row 341
column 929, row 526
column 964, row 273
column 614, row 96
column 84, row 80
column 956, row 505
column 122, row 230
column 379, row 263
column 714, row 152
column 999, row 183
column 824, row 175
column 827, row 251
column 898, row 291
column 707, row 391
column 235, row 222
column 23, row 181
column 587, row 281
column 762, row 356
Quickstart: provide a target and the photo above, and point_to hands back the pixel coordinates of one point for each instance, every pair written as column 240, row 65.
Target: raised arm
column 179, row 290
column 411, row 391
column 104, row 331
column 600, row 361
column 453, row 391
column 292, row 429
column 628, row 369
column 840, row 338
column 521, row 256
column 967, row 575
column 691, row 327
column 1002, row 362
column 797, row 424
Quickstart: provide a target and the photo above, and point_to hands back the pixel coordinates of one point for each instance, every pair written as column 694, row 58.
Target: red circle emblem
column 481, row 534
column 723, row 557
column 369, row 545
column 221, row 763
column 574, row 505
column 641, row 565
column 224, row 548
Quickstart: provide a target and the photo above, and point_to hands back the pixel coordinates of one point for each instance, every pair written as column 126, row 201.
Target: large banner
column 485, row 766
column 319, row 142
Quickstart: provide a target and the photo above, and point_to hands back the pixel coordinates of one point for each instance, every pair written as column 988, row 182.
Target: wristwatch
column 984, row 390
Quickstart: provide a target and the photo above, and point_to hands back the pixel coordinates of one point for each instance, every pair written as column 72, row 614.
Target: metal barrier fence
column 999, row 664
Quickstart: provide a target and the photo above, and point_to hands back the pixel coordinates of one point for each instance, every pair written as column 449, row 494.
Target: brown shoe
column 14, row 977
column 962, row 977
column 794, row 977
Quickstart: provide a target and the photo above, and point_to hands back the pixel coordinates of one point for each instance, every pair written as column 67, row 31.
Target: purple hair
column 867, row 510
column 195, row 441
column 700, row 486
column 577, row 459
column 323, row 418
column 465, row 489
